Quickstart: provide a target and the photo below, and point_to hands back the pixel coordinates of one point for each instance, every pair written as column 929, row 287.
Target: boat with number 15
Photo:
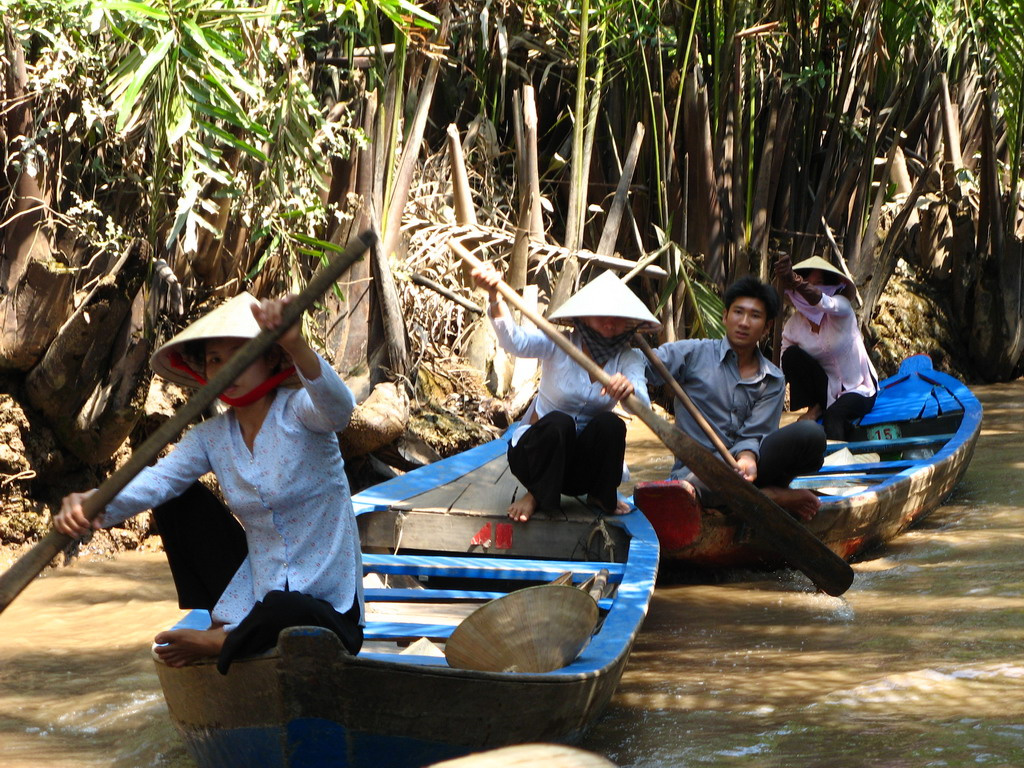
column 905, row 457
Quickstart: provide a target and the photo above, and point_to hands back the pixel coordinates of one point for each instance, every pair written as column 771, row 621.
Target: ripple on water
column 978, row 690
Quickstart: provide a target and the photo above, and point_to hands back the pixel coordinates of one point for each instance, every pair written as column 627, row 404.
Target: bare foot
column 178, row 647
column 813, row 413
column 799, row 502
column 621, row 507
column 523, row 509
column 687, row 486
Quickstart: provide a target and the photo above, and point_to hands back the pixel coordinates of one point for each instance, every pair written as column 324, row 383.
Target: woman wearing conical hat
column 275, row 454
column 823, row 354
column 569, row 440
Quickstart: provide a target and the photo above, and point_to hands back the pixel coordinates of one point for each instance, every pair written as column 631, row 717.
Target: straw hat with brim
column 537, row 629
column 816, row 262
column 231, row 320
column 605, row 296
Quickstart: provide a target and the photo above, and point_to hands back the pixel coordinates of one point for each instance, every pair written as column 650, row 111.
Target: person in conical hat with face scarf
column 569, row 440
column 292, row 556
column 823, row 356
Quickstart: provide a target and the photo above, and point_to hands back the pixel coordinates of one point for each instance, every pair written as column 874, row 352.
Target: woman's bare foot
column 523, row 509
column 621, row 507
column 178, row 647
column 799, row 502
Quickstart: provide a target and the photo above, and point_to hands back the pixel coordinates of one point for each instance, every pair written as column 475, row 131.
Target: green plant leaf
column 153, row 59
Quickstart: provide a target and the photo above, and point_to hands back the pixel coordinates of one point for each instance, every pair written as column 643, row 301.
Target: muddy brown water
column 920, row 664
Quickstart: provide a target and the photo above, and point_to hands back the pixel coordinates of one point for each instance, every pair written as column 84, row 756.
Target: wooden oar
column 684, row 398
column 801, row 548
column 29, row 565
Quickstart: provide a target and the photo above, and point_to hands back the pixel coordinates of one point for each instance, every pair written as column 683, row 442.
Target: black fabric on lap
column 279, row 610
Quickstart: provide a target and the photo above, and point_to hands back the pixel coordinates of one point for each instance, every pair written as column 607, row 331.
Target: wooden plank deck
column 488, row 567
column 487, row 492
column 885, row 446
column 470, row 508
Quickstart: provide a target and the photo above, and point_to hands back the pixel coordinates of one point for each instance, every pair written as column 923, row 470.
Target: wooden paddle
column 29, row 565
column 801, row 548
column 684, row 398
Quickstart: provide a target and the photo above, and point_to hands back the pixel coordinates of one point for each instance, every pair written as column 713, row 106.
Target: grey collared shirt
column 742, row 411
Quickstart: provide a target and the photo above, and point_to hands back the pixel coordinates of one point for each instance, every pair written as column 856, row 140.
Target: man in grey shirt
column 741, row 395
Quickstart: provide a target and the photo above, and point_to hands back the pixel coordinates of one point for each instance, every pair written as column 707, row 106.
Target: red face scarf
column 178, row 363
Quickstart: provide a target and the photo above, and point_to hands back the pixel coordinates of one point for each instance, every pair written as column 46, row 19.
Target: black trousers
column 551, row 459
column 205, row 545
column 808, row 385
column 794, row 450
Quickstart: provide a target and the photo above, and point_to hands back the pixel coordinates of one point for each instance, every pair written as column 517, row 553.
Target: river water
column 920, row 664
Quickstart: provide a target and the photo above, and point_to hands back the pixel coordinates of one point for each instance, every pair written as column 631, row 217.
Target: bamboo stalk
column 532, row 163
column 519, row 258
column 614, row 220
column 391, row 310
column 465, row 211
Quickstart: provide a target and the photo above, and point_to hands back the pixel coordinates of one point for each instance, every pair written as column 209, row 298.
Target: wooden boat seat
column 384, row 595
column 488, row 567
column 405, row 658
column 886, row 446
column 406, row 630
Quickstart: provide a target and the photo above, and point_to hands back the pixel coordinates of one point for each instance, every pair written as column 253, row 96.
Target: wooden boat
column 437, row 545
column 905, row 458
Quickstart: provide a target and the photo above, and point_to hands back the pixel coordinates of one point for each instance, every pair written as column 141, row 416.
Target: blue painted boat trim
column 487, row 567
column 915, row 374
column 378, row 595
column 886, row 446
column 427, row 478
column 636, row 576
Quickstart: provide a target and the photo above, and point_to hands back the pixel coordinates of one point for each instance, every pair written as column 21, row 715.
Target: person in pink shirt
column 823, row 355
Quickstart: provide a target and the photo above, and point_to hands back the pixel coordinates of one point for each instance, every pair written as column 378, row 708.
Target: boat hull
column 711, row 538
column 309, row 703
column 314, row 705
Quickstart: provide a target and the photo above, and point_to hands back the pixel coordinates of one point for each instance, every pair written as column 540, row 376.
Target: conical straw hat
column 605, row 296
column 231, row 320
column 537, row 629
column 816, row 262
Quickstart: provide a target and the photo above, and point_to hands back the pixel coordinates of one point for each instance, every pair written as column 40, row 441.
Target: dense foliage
column 244, row 141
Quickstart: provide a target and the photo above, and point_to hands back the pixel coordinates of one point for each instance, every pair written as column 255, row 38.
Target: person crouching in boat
column 823, row 355
column 741, row 394
column 295, row 558
column 569, row 440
